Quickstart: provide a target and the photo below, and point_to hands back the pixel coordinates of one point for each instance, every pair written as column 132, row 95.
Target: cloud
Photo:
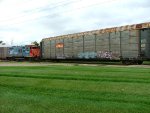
column 25, row 21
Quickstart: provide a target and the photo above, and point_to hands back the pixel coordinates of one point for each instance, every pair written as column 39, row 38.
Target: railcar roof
column 101, row 31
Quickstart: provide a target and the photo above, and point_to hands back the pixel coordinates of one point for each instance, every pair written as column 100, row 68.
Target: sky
column 26, row 21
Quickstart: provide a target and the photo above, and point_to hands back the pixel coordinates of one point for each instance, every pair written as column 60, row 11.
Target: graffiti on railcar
column 60, row 56
column 63, row 56
column 104, row 54
column 99, row 55
column 87, row 55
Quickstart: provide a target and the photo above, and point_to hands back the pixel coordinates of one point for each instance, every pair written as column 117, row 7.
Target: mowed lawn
column 74, row 89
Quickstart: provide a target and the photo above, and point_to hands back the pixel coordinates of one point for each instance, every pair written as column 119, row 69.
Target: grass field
column 74, row 89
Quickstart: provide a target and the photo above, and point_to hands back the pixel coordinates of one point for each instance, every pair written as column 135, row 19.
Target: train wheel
column 126, row 62
column 140, row 62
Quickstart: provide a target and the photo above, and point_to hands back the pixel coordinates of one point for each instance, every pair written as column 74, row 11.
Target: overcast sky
column 25, row 21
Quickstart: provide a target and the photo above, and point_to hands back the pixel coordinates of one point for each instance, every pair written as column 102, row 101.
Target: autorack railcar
column 3, row 52
column 129, row 44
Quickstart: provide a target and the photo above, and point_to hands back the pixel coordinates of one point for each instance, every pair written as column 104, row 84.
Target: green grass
column 74, row 89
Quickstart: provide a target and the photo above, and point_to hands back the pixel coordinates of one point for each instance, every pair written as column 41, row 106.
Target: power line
column 67, row 11
column 40, row 9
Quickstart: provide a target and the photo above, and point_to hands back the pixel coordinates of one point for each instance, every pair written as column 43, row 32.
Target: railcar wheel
column 140, row 62
column 126, row 62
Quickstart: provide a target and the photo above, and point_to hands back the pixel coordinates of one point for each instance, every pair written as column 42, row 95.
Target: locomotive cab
column 34, row 51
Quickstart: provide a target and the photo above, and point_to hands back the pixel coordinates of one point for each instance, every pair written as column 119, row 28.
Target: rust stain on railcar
column 145, row 25
column 138, row 26
column 59, row 45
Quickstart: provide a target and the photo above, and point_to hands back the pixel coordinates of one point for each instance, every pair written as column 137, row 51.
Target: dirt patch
column 22, row 64
column 66, row 64
column 2, row 63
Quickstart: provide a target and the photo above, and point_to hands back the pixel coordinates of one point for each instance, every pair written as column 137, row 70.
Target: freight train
column 129, row 44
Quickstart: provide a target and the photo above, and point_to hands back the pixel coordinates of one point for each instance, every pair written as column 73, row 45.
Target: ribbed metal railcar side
column 122, row 43
column 46, row 49
column 3, row 52
column 68, row 48
column 78, row 45
column 112, row 46
column 15, row 52
column 145, row 43
column 130, row 41
column 59, row 51
column 52, row 49
column 115, row 45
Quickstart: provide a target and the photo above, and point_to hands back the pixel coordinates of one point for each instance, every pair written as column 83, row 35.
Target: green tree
column 1, row 42
column 35, row 43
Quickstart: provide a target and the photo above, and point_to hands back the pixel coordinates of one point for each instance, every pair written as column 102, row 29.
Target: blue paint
column 19, row 51
column 87, row 55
